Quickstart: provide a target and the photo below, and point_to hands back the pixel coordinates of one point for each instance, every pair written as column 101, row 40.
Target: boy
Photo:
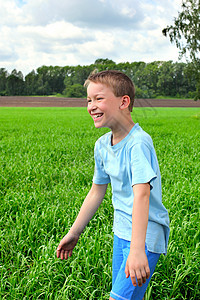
column 124, row 157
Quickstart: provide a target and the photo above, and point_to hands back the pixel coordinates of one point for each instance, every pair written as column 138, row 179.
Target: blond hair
column 119, row 82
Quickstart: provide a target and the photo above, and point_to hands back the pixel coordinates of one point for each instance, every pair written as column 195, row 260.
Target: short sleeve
column 100, row 176
column 142, row 166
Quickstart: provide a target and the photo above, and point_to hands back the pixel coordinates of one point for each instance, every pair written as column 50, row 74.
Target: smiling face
column 103, row 105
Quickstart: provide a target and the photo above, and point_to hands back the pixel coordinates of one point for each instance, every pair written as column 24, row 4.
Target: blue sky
column 20, row 3
column 37, row 32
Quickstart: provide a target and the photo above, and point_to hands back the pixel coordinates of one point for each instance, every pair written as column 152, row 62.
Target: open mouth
column 97, row 116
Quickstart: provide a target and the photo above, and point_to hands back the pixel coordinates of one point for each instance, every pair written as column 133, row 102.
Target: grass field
column 46, row 163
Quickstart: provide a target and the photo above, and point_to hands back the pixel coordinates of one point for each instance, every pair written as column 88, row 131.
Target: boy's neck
column 121, row 131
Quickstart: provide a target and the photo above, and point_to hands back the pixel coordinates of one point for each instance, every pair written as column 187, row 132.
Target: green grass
column 46, row 163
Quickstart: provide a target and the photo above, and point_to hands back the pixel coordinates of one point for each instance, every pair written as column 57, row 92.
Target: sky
column 77, row 32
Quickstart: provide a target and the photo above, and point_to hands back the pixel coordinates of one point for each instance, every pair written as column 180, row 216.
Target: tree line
column 158, row 78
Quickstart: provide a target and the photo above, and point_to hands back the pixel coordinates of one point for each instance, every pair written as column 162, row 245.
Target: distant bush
column 75, row 91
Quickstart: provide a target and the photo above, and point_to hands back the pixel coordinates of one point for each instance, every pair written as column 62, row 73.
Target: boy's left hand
column 137, row 266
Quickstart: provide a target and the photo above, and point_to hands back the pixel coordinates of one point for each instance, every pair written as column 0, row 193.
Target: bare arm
column 137, row 263
column 88, row 209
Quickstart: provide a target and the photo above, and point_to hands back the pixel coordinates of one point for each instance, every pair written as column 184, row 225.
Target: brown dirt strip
column 22, row 101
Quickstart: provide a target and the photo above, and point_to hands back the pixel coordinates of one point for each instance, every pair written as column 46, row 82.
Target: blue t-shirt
column 132, row 161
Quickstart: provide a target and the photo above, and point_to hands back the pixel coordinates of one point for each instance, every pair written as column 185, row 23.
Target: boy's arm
column 88, row 209
column 137, row 264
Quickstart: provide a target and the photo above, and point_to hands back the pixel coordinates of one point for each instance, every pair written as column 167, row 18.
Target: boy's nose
column 93, row 106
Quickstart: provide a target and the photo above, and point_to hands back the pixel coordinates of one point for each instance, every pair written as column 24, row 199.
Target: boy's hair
column 119, row 82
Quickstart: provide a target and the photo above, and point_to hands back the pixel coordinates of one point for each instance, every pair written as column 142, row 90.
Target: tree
column 75, row 91
column 43, row 80
column 102, row 64
column 166, row 83
column 15, row 84
column 186, row 34
column 3, row 78
column 31, row 83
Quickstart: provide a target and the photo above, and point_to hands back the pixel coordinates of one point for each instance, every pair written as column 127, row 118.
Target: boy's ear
column 125, row 101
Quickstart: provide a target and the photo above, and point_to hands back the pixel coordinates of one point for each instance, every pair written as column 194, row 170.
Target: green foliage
column 47, row 166
column 3, row 79
column 151, row 79
column 75, row 91
column 186, row 26
column 15, row 83
column 186, row 35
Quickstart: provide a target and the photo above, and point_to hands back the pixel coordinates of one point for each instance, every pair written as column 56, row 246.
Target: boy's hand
column 137, row 267
column 66, row 245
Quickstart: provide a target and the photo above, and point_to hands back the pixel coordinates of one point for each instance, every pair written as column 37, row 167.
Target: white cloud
column 87, row 13
column 51, row 32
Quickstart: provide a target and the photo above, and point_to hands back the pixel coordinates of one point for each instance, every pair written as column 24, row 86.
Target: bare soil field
column 23, row 101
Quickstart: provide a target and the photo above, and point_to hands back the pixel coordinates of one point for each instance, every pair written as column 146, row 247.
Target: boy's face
column 103, row 105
